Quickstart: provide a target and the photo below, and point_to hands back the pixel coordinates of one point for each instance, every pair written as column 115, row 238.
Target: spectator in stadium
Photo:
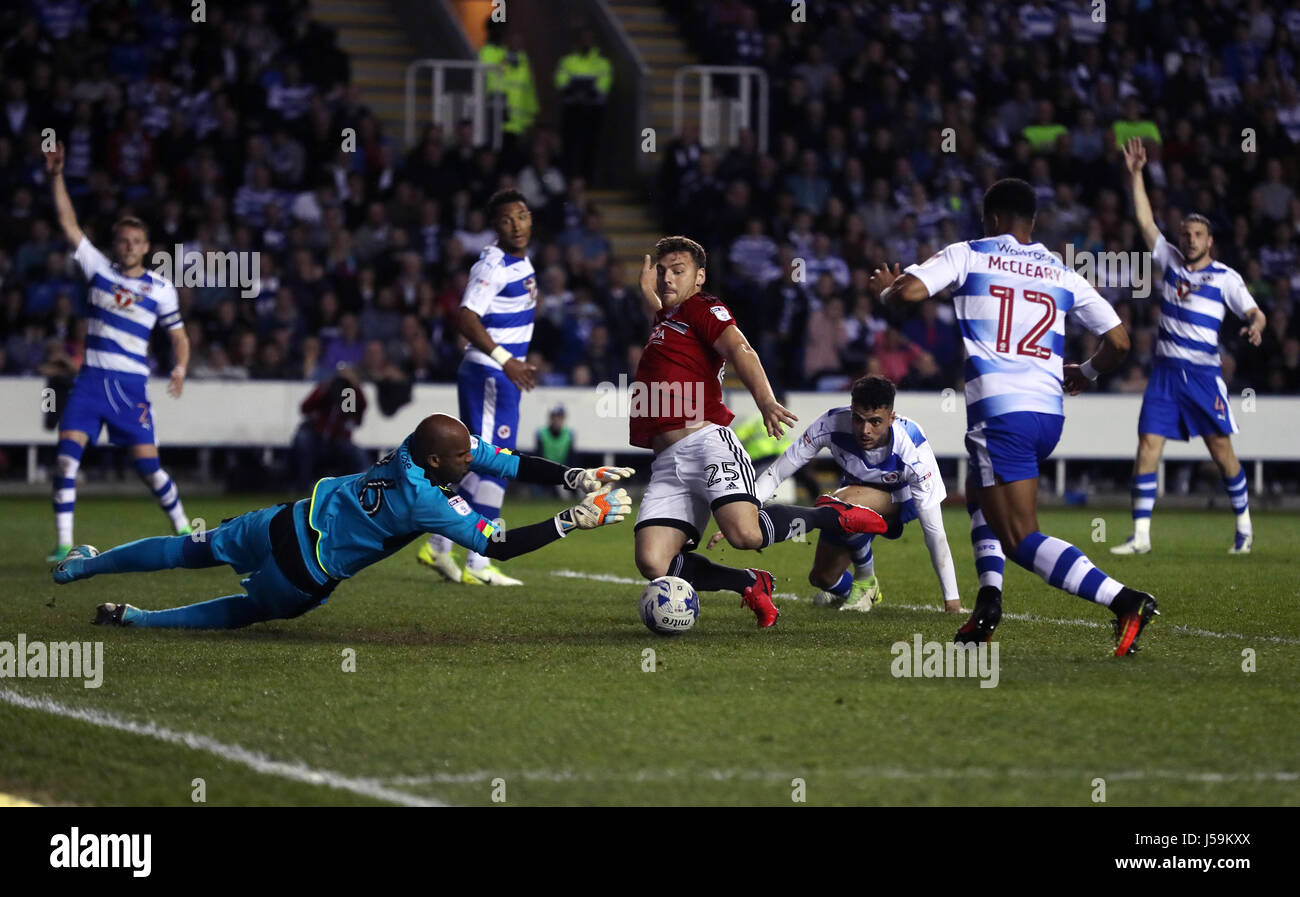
column 584, row 78
column 322, row 445
column 555, row 440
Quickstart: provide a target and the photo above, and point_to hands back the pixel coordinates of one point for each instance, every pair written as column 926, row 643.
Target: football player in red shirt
column 700, row 468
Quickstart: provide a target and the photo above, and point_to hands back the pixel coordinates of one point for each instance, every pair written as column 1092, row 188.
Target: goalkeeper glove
column 592, row 479
column 597, row 509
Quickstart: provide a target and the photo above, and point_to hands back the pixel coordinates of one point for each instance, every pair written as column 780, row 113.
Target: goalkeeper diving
column 295, row 554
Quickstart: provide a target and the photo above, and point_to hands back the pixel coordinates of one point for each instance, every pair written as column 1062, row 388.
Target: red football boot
column 854, row 518
column 758, row 598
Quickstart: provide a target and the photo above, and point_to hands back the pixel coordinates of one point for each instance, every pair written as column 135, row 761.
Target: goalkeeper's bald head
column 440, row 445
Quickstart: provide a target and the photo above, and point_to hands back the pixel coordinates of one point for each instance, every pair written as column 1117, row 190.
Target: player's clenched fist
column 54, row 160
column 597, row 509
column 593, row 479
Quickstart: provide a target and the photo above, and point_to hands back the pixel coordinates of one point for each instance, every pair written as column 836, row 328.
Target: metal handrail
column 706, row 74
column 439, row 67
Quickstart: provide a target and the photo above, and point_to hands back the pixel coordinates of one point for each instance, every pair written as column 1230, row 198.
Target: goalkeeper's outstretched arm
column 541, row 472
column 597, row 509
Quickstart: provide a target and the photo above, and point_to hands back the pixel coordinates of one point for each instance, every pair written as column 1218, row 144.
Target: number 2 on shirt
column 1028, row 345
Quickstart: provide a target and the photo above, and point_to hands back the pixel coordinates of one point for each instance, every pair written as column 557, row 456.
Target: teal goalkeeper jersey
column 363, row 518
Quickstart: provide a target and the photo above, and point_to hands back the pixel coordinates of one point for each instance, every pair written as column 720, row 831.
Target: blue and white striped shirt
column 503, row 292
column 906, row 467
column 1192, row 304
column 1011, row 300
column 122, row 312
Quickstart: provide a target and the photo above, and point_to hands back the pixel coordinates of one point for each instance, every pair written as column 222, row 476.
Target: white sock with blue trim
column 1144, row 503
column 1237, row 493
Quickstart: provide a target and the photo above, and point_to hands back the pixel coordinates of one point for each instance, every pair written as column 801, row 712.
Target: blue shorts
column 489, row 404
column 249, row 544
column 1009, row 447
column 1180, row 403
column 101, row 398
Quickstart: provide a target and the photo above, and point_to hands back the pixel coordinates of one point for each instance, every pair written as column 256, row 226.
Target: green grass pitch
column 538, row 695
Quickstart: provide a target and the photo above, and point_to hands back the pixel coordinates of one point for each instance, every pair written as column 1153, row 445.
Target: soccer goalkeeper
column 295, row 554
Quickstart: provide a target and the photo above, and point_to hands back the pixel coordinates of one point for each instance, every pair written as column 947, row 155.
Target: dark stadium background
column 226, row 135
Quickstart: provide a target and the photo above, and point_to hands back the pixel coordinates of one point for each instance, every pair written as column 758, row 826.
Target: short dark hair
column 503, row 198
column 681, row 244
column 1011, row 197
column 130, row 221
column 873, row 391
column 1198, row 218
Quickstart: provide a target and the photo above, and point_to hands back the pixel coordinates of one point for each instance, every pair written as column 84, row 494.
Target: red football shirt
column 679, row 378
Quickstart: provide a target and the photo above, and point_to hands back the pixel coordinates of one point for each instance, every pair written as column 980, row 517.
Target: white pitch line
column 1028, row 618
column 861, row 772
column 255, row 760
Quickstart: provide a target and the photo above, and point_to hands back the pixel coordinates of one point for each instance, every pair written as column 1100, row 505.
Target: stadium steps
column 656, row 38
column 624, row 220
column 627, row 218
column 379, row 51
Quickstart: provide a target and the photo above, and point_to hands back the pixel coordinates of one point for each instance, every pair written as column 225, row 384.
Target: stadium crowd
column 227, row 136
column 858, row 172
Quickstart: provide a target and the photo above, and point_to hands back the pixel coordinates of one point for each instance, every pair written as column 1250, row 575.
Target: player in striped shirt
column 496, row 316
column 1011, row 298
column 123, row 304
column 886, row 464
column 1186, row 395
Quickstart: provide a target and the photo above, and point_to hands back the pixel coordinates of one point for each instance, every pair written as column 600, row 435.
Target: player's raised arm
column 650, row 288
column 733, row 346
column 1135, row 157
column 62, row 202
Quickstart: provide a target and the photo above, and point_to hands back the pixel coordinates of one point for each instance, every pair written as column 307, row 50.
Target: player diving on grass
column 887, row 465
column 1011, row 299
column 1186, row 395
column 496, row 316
column 295, row 554
column 123, row 304
column 699, row 467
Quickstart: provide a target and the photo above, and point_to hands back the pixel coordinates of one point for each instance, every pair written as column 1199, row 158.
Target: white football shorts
column 693, row 477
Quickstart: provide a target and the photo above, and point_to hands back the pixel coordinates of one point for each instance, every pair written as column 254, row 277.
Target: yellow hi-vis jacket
column 590, row 66
column 515, row 83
